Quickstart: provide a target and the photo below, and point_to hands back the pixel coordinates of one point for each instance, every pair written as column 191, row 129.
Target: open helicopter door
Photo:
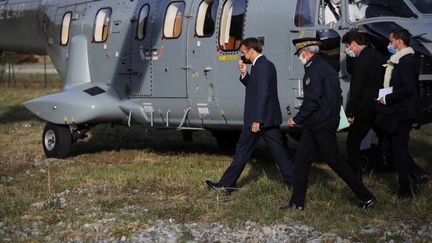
column 304, row 25
column 378, row 20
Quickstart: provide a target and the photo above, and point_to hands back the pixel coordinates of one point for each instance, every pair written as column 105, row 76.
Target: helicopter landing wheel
column 56, row 141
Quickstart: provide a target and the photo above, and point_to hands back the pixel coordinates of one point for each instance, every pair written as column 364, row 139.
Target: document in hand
column 384, row 91
column 343, row 120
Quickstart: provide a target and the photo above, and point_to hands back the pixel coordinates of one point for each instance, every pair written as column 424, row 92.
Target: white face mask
column 302, row 60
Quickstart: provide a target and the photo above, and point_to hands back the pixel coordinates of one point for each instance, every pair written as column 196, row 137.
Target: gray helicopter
column 173, row 64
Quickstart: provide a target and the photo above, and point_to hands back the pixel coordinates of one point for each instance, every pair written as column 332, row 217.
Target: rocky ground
column 170, row 231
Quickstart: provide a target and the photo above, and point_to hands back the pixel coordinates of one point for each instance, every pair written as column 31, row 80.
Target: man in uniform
column 262, row 117
column 319, row 116
column 366, row 79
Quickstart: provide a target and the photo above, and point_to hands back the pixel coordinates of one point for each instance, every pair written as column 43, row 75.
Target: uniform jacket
column 404, row 81
column 366, row 79
column 322, row 95
column 261, row 102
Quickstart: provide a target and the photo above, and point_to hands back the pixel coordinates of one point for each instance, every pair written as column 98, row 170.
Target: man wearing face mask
column 366, row 79
column 262, row 117
column 319, row 116
column 402, row 74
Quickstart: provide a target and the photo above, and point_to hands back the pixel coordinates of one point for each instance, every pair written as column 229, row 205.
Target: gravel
column 170, row 231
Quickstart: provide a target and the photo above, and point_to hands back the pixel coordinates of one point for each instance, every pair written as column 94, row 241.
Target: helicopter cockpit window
column 142, row 22
column 65, row 29
column 393, row 8
column 305, row 13
column 423, row 6
column 231, row 24
column 206, row 18
column 174, row 20
column 102, row 24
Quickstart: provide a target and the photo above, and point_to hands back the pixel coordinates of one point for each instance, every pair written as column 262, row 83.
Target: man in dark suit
column 366, row 79
column 319, row 116
column 262, row 117
column 402, row 74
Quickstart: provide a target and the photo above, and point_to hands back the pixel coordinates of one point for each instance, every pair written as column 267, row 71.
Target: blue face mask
column 350, row 53
column 391, row 49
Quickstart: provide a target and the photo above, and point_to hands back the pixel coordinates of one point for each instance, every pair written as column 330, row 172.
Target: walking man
column 366, row 79
column 262, row 117
column 319, row 116
column 402, row 74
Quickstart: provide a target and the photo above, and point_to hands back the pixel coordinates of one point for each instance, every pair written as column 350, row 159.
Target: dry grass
column 162, row 177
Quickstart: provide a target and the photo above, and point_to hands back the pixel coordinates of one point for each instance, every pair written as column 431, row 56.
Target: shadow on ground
column 17, row 114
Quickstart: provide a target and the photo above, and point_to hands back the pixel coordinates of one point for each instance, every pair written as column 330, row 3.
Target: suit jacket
column 366, row 79
column 404, row 82
column 261, row 102
column 322, row 95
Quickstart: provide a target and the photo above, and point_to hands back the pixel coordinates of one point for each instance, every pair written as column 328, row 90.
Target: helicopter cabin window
column 231, row 24
column 206, row 18
column 142, row 22
column 174, row 20
column 305, row 13
column 65, row 29
column 102, row 24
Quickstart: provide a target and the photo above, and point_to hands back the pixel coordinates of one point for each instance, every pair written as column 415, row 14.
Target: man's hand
column 242, row 68
column 255, row 127
column 381, row 101
column 350, row 120
column 291, row 122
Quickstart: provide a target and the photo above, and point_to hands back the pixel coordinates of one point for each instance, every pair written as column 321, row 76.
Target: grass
column 136, row 176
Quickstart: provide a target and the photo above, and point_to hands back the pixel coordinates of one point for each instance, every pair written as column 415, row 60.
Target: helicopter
column 172, row 64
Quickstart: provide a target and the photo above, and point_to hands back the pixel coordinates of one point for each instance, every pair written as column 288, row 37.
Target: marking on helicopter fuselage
column 302, row 33
column 203, row 110
column 12, row 11
column 228, row 58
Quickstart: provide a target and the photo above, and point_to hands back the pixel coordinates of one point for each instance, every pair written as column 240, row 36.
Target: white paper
column 384, row 91
column 343, row 122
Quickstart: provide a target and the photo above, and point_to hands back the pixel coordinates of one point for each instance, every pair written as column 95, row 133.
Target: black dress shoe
column 218, row 186
column 421, row 182
column 213, row 185
column 292, row 206
column 367, row 204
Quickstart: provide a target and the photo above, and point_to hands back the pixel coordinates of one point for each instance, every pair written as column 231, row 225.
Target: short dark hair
column 402, row 34
column 356, row 36
column 252, row 43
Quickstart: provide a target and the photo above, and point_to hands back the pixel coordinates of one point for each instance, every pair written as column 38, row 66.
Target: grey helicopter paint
column 173, row 64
